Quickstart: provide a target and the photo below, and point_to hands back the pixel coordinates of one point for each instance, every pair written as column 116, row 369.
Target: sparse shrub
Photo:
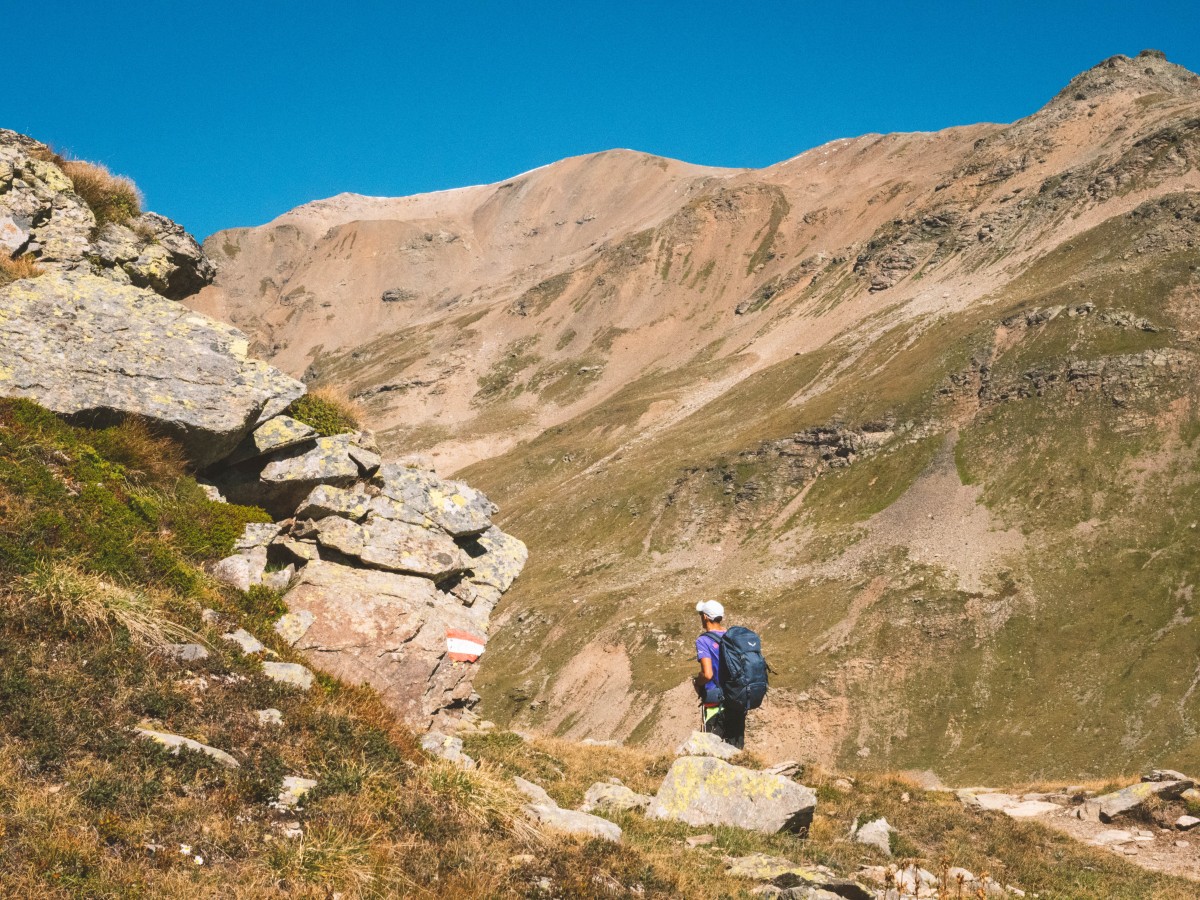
column 112, row 198
column 15, row 269
column 329, row 410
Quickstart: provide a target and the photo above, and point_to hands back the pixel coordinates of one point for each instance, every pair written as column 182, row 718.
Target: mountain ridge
column 760, row 386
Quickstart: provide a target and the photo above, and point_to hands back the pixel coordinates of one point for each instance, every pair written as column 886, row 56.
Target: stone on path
column 289, row 673
column 542, row 809
column 131, row 362
column 175, row 743
column 1112, row 806
column 794, row 879
column 247, row 642
column 707, row 791
column 876, row 834
column 613, row 797
column 703, row 743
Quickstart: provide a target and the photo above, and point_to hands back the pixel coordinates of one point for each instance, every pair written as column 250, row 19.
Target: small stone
column 292, row 626
column 175, row 743
column 447, row 748
column 248, row 643
column 302, row 551
column 1182, row 844
column 269, row 716
column 701, row 840
column 275, row 434
column 1186, row 823
column 212, row 492
column 186, row 652
column 242, row 570
column 257, row 534
column 876, row 834
column 289, row 673
column 293, row 790
column 327, row 500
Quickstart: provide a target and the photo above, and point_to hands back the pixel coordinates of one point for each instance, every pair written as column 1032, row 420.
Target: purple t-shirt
column 707, row 647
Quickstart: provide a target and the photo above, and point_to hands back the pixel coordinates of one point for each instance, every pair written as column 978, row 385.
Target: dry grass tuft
column 328, row 409
column 112, row 198
column 98, row 604
column 15, row 269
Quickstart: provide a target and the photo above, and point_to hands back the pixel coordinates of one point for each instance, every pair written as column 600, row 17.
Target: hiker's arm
column 706, row 670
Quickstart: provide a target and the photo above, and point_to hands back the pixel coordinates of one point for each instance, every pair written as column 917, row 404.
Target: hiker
column 727, row 721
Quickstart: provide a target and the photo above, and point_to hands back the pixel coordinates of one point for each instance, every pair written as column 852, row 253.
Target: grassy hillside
column 1063, row 411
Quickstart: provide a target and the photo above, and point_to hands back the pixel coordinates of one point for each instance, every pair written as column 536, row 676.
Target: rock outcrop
column 42, row 216
column 703, row 790
column 87, row 347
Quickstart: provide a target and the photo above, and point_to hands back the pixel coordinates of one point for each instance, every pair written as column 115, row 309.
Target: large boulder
column 85, row 346
column 388, row 630
column 703, row 790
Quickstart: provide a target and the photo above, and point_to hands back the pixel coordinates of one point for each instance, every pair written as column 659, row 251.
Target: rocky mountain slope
column 389, row 573
column 918, row 407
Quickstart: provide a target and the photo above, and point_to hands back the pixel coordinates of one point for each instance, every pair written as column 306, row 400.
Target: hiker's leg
column 733, row 722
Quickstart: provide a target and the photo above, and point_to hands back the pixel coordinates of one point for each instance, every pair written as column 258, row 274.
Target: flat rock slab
column 794, row 880
column 327, row 500
column 605, row 796
column 176, row 743
column 388, row 630
column 245, row 641
column 278, row 433
column 1112, row 806
column 542, row 809
column 82, row 345
column 289, row 673
column 708, row 791
column 395, row 546
column 453, row 506
column 292, row 626
column 288, row 476
column 186, row 652
column 703, row 743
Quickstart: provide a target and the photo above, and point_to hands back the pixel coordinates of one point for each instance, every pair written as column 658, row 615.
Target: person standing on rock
column 727, row 721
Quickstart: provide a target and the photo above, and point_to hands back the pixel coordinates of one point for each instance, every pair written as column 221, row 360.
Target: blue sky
column 230, row 113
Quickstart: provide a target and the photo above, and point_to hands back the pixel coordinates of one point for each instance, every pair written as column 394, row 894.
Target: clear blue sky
column 229, row 113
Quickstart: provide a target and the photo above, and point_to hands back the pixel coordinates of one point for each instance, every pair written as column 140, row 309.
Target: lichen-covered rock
column 703, row 790
column 451, row 505
column 605, row 796
column 703, row 743
column 1109, row 807
column 292, row 626
column 278, row 433
column 290, row 475
column 246, row 642
column 501, row 560
column 326, row 500
column 55, row 225
column 387, row 630
column 793, row 879
column 292, row 674
column 175, row 743
column 84, row 346
column 542, row 809
column 396, row 546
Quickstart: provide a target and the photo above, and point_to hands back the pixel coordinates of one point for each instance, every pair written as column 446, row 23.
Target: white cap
column 711, row 608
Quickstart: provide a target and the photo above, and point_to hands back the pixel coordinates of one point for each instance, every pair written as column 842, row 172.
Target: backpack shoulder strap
column 712, row 637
